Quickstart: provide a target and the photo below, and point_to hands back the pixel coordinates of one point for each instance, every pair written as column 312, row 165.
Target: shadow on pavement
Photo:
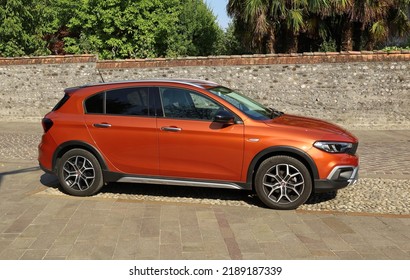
column 49, row 180
column 321, row 197
column 18, row 171
column 169, row 191
column 183, row 192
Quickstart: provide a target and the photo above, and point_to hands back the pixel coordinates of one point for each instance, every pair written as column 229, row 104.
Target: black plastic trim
column 45, row 169
column 326, row 185
column 78, row 144
column 286, row 150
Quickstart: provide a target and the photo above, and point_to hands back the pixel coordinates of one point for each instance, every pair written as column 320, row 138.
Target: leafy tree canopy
column 111, row 28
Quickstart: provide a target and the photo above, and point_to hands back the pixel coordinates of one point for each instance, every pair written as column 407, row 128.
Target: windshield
column 248, row 106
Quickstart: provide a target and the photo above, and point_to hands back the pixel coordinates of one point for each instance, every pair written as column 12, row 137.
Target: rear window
column 61, row 102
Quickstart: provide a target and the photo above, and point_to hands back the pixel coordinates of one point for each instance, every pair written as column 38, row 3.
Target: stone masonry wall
column 356, row 90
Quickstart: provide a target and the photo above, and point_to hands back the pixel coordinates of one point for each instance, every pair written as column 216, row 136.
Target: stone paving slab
column 34, row 226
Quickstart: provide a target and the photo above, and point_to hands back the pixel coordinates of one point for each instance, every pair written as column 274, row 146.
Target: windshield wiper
column 275, row 113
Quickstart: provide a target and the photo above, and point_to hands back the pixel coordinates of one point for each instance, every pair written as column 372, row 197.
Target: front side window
column 185, row 104
column 248, row 106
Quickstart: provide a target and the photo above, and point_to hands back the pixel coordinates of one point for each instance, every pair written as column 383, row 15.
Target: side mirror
column 224, row 117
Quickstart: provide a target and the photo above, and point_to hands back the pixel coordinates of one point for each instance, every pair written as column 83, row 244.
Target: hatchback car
column 192, row 133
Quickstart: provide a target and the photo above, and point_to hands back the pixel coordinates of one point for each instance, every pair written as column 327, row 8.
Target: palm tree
column 278, row 25
column 252, row 17
column 265, row 19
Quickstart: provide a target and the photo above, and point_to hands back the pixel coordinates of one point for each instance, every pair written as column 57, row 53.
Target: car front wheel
column 283, row 182
column 79, row 173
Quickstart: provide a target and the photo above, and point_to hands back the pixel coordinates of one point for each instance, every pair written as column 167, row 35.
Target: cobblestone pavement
column 36, row 222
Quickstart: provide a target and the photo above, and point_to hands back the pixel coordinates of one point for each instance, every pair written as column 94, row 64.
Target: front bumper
column 340, row 177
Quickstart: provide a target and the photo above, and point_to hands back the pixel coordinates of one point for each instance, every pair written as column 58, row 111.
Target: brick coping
column 223, row 60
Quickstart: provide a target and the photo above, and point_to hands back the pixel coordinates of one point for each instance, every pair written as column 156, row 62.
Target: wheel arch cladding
column 281, row 151
column 66, row 146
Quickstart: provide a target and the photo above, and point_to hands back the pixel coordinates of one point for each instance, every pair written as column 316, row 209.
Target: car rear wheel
column 283, row 182
column 79, row 173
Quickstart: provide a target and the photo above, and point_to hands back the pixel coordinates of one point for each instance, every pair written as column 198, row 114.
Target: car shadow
column 321, row 197
column 50, row 180
column 183, row 192
column 169, row 191
column 18, row 171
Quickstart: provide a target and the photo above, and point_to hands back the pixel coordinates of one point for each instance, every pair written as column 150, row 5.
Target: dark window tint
column 128, row 101
column 184, row 104
column 61, row 102
column 95, row 104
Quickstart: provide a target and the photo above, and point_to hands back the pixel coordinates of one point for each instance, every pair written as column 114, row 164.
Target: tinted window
column 185, row 104
column 128, row 101
column 95, row 104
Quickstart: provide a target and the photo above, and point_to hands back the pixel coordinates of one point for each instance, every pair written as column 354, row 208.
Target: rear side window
column 137, row 101
column 128, row 101
column 95, row 104
column 61, row 102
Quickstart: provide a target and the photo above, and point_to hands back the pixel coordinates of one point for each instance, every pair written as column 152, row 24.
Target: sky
column 219, row 9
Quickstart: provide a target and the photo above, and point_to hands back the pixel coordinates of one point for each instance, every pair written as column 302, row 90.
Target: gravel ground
column 385, row 196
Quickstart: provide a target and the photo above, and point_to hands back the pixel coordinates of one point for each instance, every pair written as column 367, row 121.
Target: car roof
column 196, row 83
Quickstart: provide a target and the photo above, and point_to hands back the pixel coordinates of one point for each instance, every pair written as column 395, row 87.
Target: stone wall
column 357, row 90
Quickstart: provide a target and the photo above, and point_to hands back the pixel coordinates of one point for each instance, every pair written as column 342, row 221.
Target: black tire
column 283, row 183
column 79, row 173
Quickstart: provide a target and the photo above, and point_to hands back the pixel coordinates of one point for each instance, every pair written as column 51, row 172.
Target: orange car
column 193, row 133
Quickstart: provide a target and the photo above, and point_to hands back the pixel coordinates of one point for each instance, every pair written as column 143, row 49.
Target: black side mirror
column 224, row 117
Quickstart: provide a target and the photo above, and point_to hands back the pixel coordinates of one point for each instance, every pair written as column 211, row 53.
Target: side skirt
column 126, row 178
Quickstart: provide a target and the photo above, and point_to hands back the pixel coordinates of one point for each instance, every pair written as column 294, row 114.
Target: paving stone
column 348, row 255
column 36, row 254
column 170, row 251
column 59, row 250
column 275, row 250
column 148, row 248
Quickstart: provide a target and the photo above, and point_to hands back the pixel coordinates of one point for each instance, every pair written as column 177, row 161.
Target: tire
column 283, row 183
column 79, row 173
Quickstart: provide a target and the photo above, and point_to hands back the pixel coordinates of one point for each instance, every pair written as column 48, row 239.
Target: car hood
column 328, row 131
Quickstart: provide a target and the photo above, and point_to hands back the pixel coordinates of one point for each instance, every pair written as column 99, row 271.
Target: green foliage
column 396, row 48
column 111, row 28
column 328, row 46
column 230, row 44
column 22, row 26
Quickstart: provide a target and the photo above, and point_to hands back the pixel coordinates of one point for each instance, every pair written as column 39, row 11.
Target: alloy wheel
column 78, row 173
column 283, row 183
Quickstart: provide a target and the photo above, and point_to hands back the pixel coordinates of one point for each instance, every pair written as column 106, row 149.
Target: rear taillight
column 47, row 124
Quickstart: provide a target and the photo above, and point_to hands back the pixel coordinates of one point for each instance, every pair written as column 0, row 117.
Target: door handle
column 171, row 128
column 102, row 125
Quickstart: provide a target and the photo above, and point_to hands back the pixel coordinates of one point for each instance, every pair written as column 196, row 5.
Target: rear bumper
column 340, row 177
column 45, row 169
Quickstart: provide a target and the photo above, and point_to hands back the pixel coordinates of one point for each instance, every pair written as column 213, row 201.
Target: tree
column 268, row 20
column 301, row 25
column 146, row 28
column 22, row 27
column 111, row 28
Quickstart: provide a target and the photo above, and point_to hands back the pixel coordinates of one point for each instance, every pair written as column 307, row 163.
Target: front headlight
column 333, row 147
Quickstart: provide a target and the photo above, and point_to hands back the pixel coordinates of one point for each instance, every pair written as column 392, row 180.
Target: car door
column 122, row 123
column 191, row 145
